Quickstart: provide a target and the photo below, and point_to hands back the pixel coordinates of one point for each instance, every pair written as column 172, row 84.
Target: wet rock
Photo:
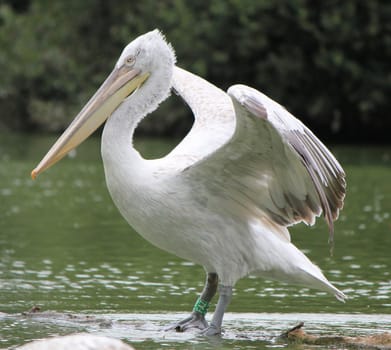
column 380, row 341
column 36, row 313
column 32, row 310
column 81, row 341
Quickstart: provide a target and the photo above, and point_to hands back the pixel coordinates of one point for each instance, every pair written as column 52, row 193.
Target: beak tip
column 34, row 174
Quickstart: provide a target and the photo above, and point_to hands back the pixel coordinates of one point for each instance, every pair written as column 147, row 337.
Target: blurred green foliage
column 327, row 61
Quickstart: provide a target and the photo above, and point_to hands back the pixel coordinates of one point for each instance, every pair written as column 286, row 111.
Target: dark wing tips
column 326, row 174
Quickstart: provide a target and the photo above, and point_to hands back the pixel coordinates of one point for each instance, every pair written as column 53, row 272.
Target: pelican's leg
column 217, row 320
column 197, row 317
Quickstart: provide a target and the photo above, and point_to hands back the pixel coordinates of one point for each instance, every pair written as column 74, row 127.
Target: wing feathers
column 326, row 174
column 272, row 167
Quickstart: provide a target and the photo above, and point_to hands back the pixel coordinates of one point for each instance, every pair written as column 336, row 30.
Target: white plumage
column 223, row 198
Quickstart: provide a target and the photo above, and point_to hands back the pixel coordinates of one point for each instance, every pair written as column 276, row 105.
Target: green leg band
column 201, row 306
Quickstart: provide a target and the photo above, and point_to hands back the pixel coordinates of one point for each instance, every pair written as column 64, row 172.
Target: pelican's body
column 183, row 216
column 164, row 197
column 223, row 198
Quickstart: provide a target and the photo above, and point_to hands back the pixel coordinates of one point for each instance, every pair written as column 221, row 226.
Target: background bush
column 328, row 62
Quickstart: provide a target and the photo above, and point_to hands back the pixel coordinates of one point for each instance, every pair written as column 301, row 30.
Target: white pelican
column 223, row 198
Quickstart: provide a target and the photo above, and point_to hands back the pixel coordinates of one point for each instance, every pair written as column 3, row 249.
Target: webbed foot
column 194, row 321
column 211, row 331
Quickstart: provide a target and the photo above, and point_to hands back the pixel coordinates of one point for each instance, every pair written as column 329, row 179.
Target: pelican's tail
column 310, row 275
column 313, row 277
column 280, row 260
column 300, row 270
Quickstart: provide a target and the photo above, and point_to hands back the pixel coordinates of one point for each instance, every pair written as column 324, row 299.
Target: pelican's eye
column 129, row 61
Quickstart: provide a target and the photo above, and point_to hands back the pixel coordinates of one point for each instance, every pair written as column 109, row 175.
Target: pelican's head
column 147, row 61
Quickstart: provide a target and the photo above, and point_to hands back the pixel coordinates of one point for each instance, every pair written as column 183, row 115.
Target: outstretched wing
column 273, row 165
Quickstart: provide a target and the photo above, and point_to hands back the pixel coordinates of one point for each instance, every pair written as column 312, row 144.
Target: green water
column 65, row 248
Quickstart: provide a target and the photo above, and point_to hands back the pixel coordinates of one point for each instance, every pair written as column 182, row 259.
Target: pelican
column 224, row 196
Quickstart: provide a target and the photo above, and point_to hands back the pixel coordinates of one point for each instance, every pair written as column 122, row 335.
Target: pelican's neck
column 117, row 138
